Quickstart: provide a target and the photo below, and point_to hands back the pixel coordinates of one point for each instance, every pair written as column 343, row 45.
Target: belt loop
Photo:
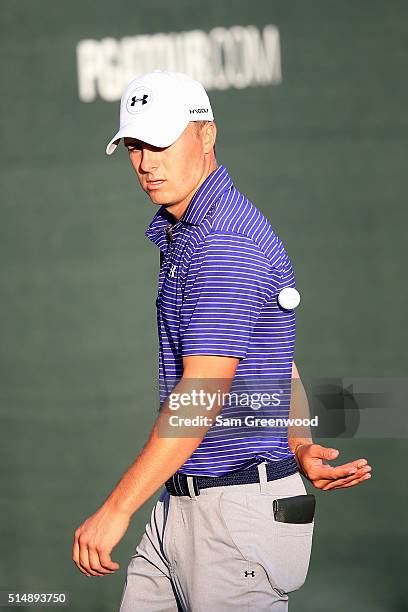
column 176, row 484
column 263, row 479
column 191, row 488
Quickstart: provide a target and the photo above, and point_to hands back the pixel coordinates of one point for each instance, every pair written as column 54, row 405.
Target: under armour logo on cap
column 138, row 100
column 143, row 99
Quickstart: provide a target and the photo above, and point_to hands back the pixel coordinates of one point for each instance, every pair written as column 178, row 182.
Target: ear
column 209, row 137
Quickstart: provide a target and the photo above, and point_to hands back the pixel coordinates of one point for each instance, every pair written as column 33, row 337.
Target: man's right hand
column 95, row 539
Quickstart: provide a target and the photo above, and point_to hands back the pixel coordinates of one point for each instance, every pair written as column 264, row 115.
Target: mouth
column 154, row 184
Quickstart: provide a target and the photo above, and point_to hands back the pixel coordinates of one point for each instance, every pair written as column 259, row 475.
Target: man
column 216, row 540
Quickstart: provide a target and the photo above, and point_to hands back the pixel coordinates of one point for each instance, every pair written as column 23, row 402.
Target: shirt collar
column 200, row 204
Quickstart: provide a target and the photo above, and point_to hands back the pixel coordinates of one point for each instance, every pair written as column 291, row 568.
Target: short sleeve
column 230, row 279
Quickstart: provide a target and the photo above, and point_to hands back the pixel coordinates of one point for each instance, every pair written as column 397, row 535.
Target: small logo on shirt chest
column 172, row 271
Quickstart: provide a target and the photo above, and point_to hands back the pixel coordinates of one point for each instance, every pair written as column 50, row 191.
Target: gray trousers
column 220, row 551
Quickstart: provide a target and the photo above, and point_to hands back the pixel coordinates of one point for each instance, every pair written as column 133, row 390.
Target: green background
column 323, row 155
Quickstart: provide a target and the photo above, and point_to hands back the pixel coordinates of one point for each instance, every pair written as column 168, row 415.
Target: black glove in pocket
column 298, row 509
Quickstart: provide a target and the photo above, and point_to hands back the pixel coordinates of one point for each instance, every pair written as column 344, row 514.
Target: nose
column 149, row 160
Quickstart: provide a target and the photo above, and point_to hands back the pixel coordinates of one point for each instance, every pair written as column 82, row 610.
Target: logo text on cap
column 198, row 110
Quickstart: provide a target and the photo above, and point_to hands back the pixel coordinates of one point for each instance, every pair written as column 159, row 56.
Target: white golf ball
column 289, row 298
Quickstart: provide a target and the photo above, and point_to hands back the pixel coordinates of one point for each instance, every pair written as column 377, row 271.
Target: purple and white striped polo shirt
column 221, row 269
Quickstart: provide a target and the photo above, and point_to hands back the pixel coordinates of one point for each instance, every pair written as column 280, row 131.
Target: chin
column 159, row 196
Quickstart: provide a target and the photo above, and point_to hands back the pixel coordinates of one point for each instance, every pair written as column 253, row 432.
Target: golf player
column 232, row 528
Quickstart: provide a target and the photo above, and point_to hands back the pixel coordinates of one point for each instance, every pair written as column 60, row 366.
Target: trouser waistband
column 179, row 484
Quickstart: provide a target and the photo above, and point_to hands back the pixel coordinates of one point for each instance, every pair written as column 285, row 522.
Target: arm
column 161, row 456
column 299, row 408
column 312, row 458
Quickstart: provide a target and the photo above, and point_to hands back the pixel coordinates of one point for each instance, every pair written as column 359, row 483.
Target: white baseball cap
column 156, row 108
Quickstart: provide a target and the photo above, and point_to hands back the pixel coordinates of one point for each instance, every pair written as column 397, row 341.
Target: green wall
column 322, row 154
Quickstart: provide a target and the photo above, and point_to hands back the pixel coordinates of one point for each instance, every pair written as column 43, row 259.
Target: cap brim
column 158, row 138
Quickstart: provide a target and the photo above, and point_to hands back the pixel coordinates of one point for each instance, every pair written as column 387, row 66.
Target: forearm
column 163, row 454
column 299, row 409
column 159, row 459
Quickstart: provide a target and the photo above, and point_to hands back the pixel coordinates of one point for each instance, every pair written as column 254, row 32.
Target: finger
column 365, row 469
column 322, row 483
column 106, row 562
column 339, row 471
column 75, row 550
column 75, row 557
column 353, row 483
column 356, row 482
column 358, row 463
column 95, row 563
column 346, row 483
column 357, row 473
column 329, row 472
column 84, row 559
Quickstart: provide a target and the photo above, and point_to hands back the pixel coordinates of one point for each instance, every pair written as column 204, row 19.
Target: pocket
column 283, row 549
column 236, row 521
column 294, row 529
column 294, row 541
